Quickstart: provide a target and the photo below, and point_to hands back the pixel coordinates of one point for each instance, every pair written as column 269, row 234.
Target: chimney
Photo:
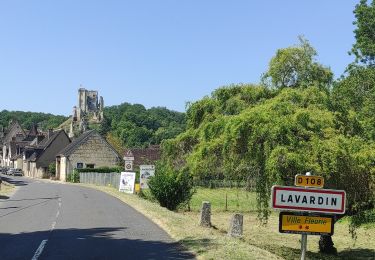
column 49, row 134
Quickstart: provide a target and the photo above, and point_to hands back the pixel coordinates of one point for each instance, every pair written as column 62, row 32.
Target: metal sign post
column 308, row 202
column 303, row 246
column 129, row 159
column 304, row 238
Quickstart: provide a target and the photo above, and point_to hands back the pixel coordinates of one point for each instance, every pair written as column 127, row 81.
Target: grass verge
column 258, row 242
column 5, row 190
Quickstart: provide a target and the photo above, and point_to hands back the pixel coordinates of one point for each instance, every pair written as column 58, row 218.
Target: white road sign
column 306, row 199
column 146, row 171
column 127, row 180
column 128, row 166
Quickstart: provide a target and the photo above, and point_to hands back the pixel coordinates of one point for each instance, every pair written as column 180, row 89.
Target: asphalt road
column 44, row 220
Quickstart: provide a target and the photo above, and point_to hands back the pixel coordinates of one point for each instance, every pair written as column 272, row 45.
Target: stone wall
column 63, row 170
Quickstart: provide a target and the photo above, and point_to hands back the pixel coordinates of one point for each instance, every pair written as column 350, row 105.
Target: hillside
column 132, row 125
column 26, row 119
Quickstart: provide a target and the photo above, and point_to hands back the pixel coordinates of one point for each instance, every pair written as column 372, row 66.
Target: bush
column 104, row 169
column 171, row 188
column 52, row 169
column 73, row 177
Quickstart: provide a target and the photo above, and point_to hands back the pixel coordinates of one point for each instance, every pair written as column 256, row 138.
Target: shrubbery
column 102, row 169
column 73, row 177
column 170, row 187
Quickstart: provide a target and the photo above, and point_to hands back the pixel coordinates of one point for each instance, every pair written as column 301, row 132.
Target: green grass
column 6, row 189
column 258, row 242
column 221, row 199
column 224, row 199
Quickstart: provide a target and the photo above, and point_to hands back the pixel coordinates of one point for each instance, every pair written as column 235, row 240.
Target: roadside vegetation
column 6, row 189
column 258, row 241
column 298, row 119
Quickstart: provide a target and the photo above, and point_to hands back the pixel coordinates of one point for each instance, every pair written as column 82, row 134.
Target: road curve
column 44, row 220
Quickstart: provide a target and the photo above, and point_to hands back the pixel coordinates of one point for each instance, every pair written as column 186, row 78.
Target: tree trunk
column 326, row 245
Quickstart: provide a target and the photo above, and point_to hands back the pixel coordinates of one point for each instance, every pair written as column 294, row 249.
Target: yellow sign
column 137, row 188
column 309, row 181
column 310, row 225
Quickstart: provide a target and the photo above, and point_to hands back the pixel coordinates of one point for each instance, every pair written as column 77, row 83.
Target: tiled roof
column 35, row 154
column 38, row 150
column 76, row 143
column 47, row 141
column 82, row 139
column 146, row 155
column 13, row 130
column 33, row 131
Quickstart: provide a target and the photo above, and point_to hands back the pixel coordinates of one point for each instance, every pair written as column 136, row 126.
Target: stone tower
column 89, row 103
column 89, row 110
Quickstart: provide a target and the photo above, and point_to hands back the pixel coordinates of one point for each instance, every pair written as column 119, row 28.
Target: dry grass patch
column 258, row 242
column 6, row 190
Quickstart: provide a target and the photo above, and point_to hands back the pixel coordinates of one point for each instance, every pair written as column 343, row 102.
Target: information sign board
column 127, row 180
column 309, row 181
column 146, row 171
column 310, row 225
column 128, row 156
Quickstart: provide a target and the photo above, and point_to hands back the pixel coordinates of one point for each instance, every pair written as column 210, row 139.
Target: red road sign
column 306, row 199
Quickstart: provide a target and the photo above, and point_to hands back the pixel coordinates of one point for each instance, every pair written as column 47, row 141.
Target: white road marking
column 39, row 251
column 53, row 225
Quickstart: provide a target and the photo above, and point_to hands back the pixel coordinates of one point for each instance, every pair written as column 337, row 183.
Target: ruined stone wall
column 89, row 103
column 92, row 101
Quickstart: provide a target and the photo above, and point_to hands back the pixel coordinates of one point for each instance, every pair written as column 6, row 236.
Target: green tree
column 273, row 138
column 353, row 100
column 26, row 119
column 171, row 187
column 137, row 126
column 295, row 67
column 364, row 47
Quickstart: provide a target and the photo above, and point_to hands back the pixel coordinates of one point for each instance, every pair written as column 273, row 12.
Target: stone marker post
column 205, row 220
column 236, row 226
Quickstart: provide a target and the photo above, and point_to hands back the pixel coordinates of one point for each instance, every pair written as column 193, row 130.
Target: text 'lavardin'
column 311, row 200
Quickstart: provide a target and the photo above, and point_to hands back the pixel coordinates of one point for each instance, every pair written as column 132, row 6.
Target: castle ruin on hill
column 89, row 110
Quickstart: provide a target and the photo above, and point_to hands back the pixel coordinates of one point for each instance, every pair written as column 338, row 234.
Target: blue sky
column 155, row 53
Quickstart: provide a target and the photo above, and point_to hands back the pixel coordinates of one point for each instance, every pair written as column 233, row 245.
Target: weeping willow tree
column 293, row 123
column 273, row 138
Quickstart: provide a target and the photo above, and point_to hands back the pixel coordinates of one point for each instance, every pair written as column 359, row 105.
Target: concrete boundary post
column 205, row 218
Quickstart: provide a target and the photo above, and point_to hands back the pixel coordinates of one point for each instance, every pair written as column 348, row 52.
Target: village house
column 12, row 142
column 144, row 156
column 89, row 150
column 42, row 152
